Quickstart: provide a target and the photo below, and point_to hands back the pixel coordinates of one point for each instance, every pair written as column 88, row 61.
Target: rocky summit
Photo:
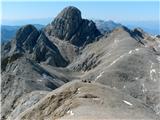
column 69, row 70
column 69, row 26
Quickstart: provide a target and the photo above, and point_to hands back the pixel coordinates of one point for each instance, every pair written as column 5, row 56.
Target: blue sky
column 117, row 11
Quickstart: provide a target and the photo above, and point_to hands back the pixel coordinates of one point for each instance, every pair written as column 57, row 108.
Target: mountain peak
column 69, row 26
column 26, row 37
column 70, row 12
column 67, row 22
column 24, row 32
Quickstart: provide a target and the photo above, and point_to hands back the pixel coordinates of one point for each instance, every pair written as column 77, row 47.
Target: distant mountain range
column 9, row 31
column 106, row 26
column 151, row 27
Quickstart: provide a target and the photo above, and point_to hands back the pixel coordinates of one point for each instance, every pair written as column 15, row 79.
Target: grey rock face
column 47, row 51
column 69, row 26
column 32, row 44
column 26, row 37
column 9, row 59
column 86, row 33
column 23, row 42
column 66, row 23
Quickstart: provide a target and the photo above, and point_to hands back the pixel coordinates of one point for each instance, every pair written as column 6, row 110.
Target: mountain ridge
column 37, row 62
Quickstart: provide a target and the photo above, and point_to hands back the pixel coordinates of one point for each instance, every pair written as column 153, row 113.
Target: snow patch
column 114, row 88
column 39, row 80
column 70, row 112
column 79, row 90
column 96, row 99
column 116, row 60
column 99, row 75
column 158, row 58
column 153, row 71
column 143, row 88
column 15, row 69
column 116, row 41
column 136, row 78
column 44, row 76
column 128, row 103
column 130, row 52
column 152, row 74
column 137, row 49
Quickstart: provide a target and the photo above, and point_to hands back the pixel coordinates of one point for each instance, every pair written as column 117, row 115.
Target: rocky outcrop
column 9, row 59
column 69, row 26
column 26, row 37
column 46, row 51
column 66, row 23
column 35, row 45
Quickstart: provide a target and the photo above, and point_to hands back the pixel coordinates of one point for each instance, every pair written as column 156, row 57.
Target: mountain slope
column 78, row 100
column 123, row 63
column 24, row 76
column 120, row 72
